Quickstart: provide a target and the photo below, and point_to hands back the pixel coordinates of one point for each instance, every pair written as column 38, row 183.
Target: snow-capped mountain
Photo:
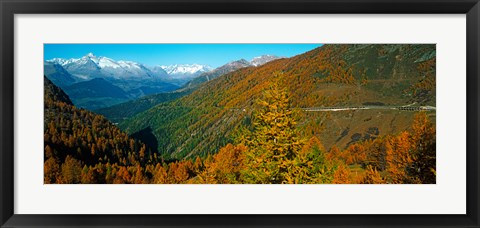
column 61, row 62
column 91, row 66
column 229, row 67
column 260, row 60
column 85, row 79
column 179, row 74
column 217, row 72
column 186, row 70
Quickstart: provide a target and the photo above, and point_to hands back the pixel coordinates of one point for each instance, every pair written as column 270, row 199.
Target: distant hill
column 120, row 112
column 57, row 74
column 54, row 93
column 329, row 76
column 95, row 93
column 136, row 89
column 97, row 87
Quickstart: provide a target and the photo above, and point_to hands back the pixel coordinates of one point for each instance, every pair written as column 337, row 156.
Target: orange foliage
column 372, row 176
column 341, row 175
column 225, row 166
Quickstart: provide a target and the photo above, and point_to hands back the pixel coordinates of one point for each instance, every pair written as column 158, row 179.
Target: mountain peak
column 237, row 64
column 260, row 60
column 191, row 69
column 242, row 61
column 91, row 55
column 263, row 56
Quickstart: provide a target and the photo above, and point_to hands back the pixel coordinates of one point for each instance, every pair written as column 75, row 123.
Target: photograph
column 239, row 113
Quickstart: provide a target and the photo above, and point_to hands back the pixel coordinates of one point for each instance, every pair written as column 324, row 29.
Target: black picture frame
column 11, row 7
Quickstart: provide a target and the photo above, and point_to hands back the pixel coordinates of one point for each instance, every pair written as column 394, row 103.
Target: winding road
column 402, row 108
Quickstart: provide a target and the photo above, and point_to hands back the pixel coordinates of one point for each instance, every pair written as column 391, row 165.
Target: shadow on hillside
column 146, row 136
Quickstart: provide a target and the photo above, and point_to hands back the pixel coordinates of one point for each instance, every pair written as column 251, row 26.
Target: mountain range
column 79, row 78
column 230, row 67
column 180, row 74
column 119, row 112
column 134, row 79
column 91, row 66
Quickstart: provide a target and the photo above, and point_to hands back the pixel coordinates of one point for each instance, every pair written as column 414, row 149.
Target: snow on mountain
column 234, row 65
column 91, row 66
column 107, row 62
column 90, row 79
column 227, row 68
column 130, row 65
column 91, row 74
column 61, row 62
column 186, row 70
column 260, row 60
column 207, row 76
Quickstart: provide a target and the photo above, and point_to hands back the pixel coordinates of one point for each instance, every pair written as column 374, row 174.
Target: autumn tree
column 310, row 165
column 161, row 175
column 341, row 175
column 138, row 177
column 372, row 176
column 71, row 170
column 198, row 165
column 399, row 159
column 274, row 143
column 225, row 167
column 51, row 170
column 424, row 149
column 275, row 154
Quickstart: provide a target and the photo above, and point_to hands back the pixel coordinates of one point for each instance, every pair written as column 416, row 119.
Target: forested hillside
column 120, row 112
column 83, row 147
column 329, row 76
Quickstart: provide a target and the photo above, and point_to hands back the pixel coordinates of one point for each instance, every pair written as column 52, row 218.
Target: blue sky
column 214, row 55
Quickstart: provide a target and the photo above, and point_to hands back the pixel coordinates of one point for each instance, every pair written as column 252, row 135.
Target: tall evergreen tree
column 274, row 143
